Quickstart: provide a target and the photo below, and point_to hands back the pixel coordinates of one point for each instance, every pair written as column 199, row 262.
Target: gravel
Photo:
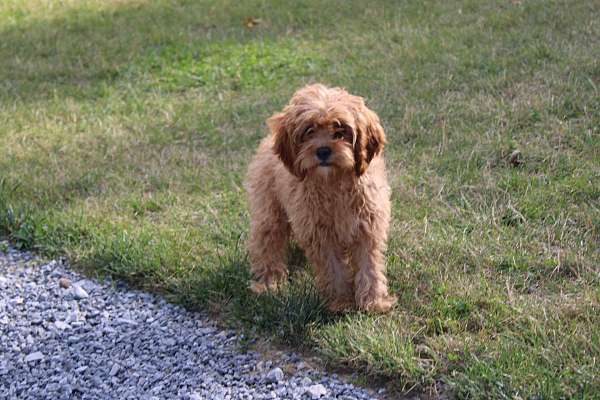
column 63, row 336
column 275, row 375
column 316, row 391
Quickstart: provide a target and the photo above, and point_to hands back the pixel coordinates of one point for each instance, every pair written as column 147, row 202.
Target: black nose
column 323, row 153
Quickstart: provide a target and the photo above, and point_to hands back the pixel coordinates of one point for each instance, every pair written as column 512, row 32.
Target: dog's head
column 326, row 129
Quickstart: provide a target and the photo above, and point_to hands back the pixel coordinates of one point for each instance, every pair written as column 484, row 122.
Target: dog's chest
column 325, row 216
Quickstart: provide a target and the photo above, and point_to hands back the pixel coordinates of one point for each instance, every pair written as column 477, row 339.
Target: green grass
column 126, row 127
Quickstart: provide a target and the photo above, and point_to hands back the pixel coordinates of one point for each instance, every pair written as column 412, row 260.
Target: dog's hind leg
column 268, row 244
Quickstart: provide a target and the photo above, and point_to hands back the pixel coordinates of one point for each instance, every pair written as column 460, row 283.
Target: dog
column 320, row 178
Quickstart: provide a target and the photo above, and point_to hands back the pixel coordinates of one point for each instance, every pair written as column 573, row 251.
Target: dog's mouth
column 325, row 164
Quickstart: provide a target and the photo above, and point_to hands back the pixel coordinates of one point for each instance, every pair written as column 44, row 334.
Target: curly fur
column 338, row 211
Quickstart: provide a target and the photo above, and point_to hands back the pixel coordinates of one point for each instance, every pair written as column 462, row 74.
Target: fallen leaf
column 64, row 283
column 515, row 158
column 251, row 22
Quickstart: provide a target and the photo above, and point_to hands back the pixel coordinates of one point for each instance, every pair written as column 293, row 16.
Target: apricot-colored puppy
column 320, row 176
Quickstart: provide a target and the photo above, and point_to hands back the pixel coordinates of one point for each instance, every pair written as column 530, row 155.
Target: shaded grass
column 126, row 128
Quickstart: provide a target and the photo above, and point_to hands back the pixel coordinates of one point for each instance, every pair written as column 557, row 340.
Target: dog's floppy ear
column 283, row 144
column 370, row 139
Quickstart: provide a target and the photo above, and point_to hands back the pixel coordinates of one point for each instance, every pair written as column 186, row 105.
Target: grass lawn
column 126, row 127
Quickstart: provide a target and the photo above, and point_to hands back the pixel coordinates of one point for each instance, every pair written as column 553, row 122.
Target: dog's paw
column 380, row 304
column 271, row 280
column 258, row 287
column 262, row 287
column 341, row 305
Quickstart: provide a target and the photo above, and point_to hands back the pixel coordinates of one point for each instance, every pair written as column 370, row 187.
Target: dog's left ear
column 370, row 139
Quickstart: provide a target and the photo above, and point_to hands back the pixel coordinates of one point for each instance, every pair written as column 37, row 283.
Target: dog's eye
column 308, row 131
column 338, row 135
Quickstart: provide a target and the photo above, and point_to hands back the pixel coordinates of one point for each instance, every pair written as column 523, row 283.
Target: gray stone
column 86, row 284
column 78, row 292
column 275, row 375
column 125, row 321
column 36, row 356
column 306, row 381
column 72, row 316
column 114, row 370
column 61, row 325
column 301, row 365
column 316, row 391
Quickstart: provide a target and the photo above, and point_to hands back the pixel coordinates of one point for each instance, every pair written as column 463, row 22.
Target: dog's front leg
column 268, row 245
column 334, row 276
column 371, row 289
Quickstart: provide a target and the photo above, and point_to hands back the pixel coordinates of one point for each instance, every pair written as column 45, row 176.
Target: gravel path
column 65, row 337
